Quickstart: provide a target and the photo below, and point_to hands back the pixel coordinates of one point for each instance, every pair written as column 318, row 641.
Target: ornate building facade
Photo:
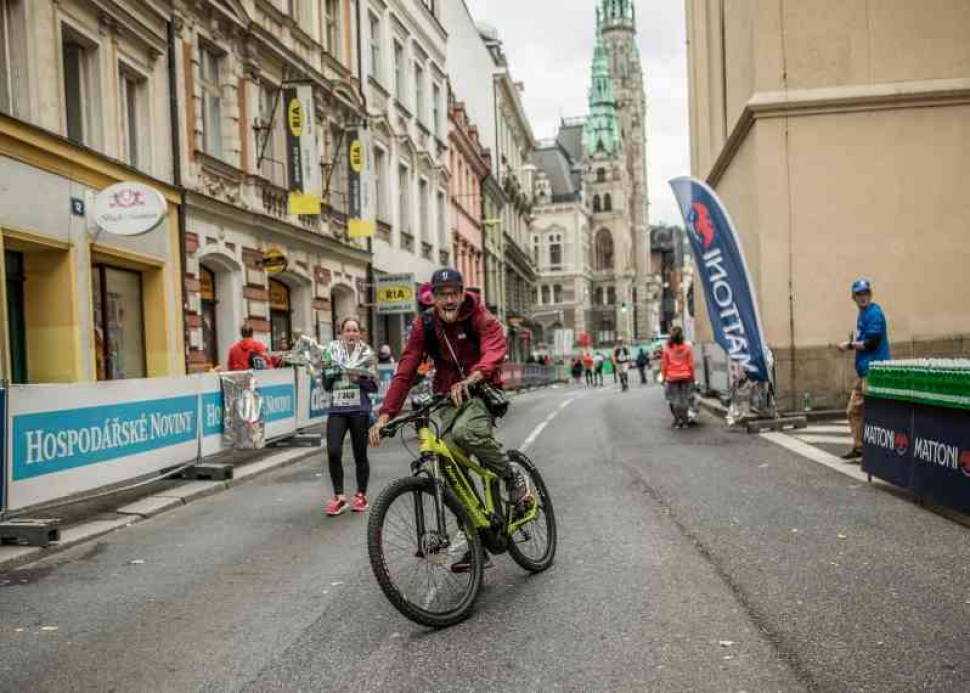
column 231, row 62
column 591, row 234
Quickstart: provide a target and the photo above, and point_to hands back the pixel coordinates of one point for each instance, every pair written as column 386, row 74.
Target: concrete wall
column 857, row 165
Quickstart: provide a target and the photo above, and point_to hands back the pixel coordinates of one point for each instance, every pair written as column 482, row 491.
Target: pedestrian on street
column 642, row 362
column 589, row 364
column 577, row 370
column 351, row 380
column 247, row 353
column 870, row 344
column 677, row 371
column 598, row 360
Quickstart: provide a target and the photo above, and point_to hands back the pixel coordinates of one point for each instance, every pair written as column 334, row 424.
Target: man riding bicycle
column 467, row 345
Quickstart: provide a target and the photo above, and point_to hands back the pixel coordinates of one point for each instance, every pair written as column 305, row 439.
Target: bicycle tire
column 536, row 565
column 375, row 533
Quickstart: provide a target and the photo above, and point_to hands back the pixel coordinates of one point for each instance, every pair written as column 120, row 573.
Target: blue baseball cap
column 447, row 277
column 861, row 286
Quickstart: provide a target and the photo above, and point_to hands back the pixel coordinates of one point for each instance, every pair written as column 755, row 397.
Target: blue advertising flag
column 731, row 303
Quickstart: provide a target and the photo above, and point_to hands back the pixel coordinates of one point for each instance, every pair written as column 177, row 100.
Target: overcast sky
column 551, row 48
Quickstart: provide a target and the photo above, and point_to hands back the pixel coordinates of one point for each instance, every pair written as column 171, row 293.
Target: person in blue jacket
column 871, row 344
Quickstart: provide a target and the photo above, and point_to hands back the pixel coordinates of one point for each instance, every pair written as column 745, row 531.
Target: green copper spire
column 617, row 11
column 601, row 131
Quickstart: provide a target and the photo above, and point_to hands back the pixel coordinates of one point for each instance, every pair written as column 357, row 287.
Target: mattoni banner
column 731, row 302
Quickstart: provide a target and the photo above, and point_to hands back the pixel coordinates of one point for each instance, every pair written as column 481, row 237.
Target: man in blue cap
column 871, row 344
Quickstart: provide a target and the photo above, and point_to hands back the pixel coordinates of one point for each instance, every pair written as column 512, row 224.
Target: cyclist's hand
column 375, row 430
column 459, row 391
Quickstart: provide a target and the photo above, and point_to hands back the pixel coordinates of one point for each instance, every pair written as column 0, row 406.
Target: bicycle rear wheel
column 533, row 546
column 412, row 560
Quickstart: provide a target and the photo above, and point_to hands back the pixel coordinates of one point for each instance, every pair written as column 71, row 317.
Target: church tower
column 617, row 24
column 615, row 182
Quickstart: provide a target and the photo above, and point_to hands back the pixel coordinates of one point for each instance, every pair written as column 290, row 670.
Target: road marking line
column 832, row 440
column 541, row 427
column 816, row 455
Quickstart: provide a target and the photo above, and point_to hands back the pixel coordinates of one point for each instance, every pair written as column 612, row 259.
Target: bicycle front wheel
column 533, row 546
column 419, row 566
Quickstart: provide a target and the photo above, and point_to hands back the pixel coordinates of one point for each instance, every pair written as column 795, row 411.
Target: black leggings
column 337, row 425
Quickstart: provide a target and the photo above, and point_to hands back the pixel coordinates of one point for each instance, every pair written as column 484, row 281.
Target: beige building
column 837, row 132
column 84, row 104
column 232, row 61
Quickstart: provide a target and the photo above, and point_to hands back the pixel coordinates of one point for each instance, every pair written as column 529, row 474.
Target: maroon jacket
column 486, row 355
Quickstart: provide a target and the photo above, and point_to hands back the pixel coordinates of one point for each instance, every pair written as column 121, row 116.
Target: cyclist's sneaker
column 337, row 505
column 518, row 488
column 464, row 564
column 360, row 502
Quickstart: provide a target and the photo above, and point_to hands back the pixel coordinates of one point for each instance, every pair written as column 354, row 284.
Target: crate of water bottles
column 917, row 428
column 935, row 382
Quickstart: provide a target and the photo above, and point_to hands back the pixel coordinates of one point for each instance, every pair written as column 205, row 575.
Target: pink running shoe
column 337, row 505
column 360, row 502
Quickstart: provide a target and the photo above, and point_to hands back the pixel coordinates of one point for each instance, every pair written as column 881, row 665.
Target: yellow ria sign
column 395, row 294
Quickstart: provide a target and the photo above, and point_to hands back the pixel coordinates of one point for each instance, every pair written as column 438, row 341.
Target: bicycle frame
column 455, row 462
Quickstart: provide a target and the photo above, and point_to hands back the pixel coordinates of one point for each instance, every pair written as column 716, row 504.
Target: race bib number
column 343, row 399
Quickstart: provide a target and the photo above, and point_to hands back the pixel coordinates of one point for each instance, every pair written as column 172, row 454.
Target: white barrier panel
column 312, row 400
column 67, row 439
column 718, row 369
column 278, row 389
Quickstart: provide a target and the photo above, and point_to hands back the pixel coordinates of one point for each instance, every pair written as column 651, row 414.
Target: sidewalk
column 88, row 519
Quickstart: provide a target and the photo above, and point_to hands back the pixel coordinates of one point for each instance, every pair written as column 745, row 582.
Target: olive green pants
column 471, row 429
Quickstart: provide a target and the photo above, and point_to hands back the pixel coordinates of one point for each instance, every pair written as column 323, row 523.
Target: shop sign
column 129, row 209
column 395, row 294
column 274, row 261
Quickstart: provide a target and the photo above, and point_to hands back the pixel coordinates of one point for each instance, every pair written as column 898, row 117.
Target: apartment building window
column 419, row 91
column 332, row 19
column 13, row 50
column 607, row 203
column 546, row 299
column 404, row 195
column 119, row 327
column 423, row 203
column 611, row 295
column 555, row 252
column 436, row 110
column 557, row 293
column 134, row 138
column 399, row 72
column 81, row 87
column 380, row 183
column 210, row 80
column 442, row 222
column 300, row 11
column 376, row 66
column 339, row 178
column 269, row 143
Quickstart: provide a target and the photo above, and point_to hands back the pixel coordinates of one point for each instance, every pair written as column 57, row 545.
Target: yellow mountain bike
column 428, row 533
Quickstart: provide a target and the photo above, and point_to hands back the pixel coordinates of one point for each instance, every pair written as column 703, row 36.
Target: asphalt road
column 697, row 560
